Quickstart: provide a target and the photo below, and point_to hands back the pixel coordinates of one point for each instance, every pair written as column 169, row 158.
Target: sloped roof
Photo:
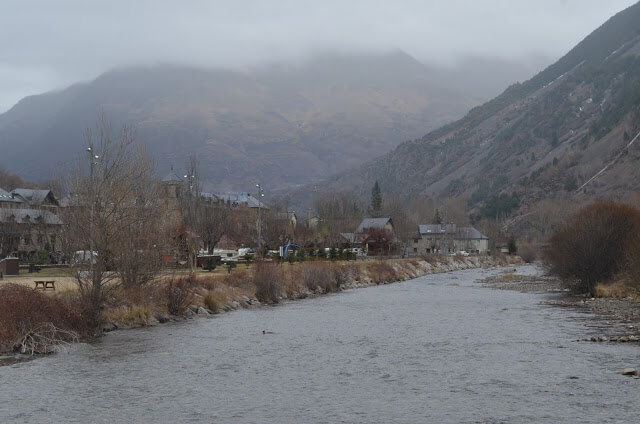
column 437, row 229
column 368, row 223
column 470, row 233
column 348, row 237
column 171, row 177
column 5, row 196
column 210, row 197
column 461, row 233
column 35, row 197
column 29, row 216
column 241, row 199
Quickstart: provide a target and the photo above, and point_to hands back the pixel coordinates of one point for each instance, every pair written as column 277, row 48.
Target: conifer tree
column 376, row 201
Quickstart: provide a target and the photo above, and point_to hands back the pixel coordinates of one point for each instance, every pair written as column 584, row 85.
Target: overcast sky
column 47, row 45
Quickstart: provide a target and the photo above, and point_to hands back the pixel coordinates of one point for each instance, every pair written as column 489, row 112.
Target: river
column 436, row 349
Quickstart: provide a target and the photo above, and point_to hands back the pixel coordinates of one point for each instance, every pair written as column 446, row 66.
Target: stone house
column 376, row 236
column 448, row 239
column 29, row 223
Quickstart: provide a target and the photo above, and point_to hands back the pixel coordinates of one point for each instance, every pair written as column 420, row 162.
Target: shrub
column 33, row 322
column 179, row 294
column 617, row 289
column 268, row 281
column 344, row 274
column 318, row 276
column 211, row 303
column 593, row 245
column 527, row 253
column 300, row 255
column 211, row 264
column 383, row 272
column 133, row 316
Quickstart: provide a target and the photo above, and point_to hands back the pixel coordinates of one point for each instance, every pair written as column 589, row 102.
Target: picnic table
column 45, row 284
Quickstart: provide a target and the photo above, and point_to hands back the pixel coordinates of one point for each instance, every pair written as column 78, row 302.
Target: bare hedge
column 595, row 243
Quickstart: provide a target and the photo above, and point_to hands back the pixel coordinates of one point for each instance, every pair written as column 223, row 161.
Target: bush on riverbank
column 268, row 281
column 598, row 243
column 180, row 293
column 33, row 322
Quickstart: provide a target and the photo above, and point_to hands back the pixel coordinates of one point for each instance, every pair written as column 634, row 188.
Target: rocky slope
column 542, row 139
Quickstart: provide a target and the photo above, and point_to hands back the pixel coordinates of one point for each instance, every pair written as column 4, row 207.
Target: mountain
column 541, row 139
column 278, row 125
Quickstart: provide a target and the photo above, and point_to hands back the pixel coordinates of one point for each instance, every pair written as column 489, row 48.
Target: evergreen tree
column 437, row 219
column 376, row 201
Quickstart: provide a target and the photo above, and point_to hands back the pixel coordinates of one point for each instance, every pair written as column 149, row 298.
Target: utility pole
column 260, row 195
column 445, row 246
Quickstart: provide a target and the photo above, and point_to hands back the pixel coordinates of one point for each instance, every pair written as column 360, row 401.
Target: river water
column 437, row 349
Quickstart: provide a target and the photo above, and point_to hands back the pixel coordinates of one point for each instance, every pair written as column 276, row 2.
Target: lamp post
column 92, row 162
column 191, row 221
column 260, row 195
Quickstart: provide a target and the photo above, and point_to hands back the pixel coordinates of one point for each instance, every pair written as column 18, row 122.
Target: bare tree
column 592, row 245
column 213, row 222
column 339, row 213
column 277, row 225
column 206, row 217
column 113, row 214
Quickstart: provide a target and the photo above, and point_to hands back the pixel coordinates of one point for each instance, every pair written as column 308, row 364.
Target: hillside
column 538, row 140
column 281, row 125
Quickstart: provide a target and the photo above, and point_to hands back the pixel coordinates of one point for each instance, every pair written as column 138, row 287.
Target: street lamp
column 92, row 162
column 191, row 221
column 260, row 194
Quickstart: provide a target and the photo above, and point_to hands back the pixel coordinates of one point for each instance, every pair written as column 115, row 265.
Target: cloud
column 56, row 43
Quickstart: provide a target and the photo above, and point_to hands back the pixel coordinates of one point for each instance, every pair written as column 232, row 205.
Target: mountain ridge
column 286, row 125
column 537, row 140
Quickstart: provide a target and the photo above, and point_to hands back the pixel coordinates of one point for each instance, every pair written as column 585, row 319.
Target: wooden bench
column 45, row 284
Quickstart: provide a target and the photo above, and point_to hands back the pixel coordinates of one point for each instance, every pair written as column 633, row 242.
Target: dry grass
column 618, row 289
column 510, row 276
column 134, row 316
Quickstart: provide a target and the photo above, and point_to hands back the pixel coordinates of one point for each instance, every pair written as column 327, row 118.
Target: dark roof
column 461, row 233
column 171, row 177
column 368, row 223
column 348, row 237
column 210, row 197
column 29, row 216
column 5, row 196
column 35, row 197
column 240, row 199
column 437, row 229
column 470, row 233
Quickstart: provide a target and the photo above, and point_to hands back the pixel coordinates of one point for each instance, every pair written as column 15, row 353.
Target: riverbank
column 620, row 316
column 270, row 283
column 180, row 295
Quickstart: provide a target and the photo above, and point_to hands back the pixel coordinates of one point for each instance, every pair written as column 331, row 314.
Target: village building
column 29, row 225
column 375, row 236
column 449, row 239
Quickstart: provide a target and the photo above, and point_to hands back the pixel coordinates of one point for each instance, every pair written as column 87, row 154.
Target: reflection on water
column 435, row 349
